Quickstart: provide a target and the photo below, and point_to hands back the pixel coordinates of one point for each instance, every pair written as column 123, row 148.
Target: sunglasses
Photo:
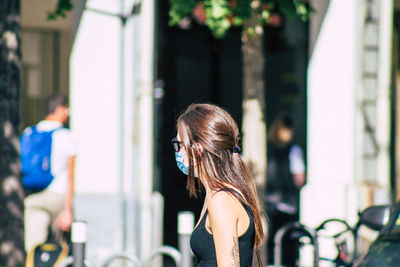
column 176, row 144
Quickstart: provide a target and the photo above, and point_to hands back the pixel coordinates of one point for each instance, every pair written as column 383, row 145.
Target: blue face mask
column 179, row 156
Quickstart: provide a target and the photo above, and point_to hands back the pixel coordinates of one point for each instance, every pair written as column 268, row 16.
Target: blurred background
column 129, row 75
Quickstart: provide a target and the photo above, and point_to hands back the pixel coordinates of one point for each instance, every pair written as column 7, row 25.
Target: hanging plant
column 220, row 15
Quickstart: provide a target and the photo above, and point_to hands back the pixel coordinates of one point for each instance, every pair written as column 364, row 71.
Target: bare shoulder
column 222, row 203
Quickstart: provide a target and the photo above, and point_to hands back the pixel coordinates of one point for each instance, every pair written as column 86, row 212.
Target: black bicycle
column 342, row 235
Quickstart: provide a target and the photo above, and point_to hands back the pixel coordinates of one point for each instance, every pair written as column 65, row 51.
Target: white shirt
column 63, row 146
column 296, row 160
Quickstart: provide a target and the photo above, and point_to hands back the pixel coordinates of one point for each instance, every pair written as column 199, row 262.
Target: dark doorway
column 192, row 66
column 286, row 56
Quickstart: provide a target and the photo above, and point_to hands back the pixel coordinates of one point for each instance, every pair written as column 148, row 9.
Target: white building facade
column 111, row 93
column 349, row 109
column 345, row 81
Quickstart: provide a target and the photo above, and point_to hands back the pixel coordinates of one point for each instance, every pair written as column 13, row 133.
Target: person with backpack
column 48, row 153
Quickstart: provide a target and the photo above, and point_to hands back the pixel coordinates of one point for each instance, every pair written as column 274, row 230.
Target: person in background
column 285, row 178
column 54, row 204
column 207, row 151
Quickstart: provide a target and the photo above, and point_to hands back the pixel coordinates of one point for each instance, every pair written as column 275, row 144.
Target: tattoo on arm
column 235, row 253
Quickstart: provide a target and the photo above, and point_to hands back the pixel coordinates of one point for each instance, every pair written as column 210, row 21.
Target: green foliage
column 220, row 15
column 303, row 10
column 293, row 8
column 63, row 6
column 217, row 13
column 180, row 9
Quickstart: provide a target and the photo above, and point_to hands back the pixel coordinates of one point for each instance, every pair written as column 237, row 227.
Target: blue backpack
column 35, row 158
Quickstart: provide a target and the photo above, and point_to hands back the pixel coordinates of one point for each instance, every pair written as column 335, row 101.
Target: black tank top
column 202, row 243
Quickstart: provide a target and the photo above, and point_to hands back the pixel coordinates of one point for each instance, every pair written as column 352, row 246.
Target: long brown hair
column 216, row 131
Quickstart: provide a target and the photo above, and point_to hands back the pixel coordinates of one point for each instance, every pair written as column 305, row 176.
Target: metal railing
column 286, row 229
column 182, row 258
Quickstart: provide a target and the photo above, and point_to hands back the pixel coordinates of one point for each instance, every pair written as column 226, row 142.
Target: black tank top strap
column 234, row 193
column 223, row 189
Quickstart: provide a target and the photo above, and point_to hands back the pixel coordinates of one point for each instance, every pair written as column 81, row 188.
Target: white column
column 332, row 81
column 383, row 100
column 332, row 76
column 145, row 105
column 94, row 91
column 98, row 80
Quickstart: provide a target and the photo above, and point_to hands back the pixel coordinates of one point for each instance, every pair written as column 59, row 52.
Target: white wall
column 111, row 116
column 94, row 102
column 332, row 82
column 331, row 190
column 95, row 83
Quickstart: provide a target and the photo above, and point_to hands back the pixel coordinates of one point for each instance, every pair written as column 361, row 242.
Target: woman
column 206, row 149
